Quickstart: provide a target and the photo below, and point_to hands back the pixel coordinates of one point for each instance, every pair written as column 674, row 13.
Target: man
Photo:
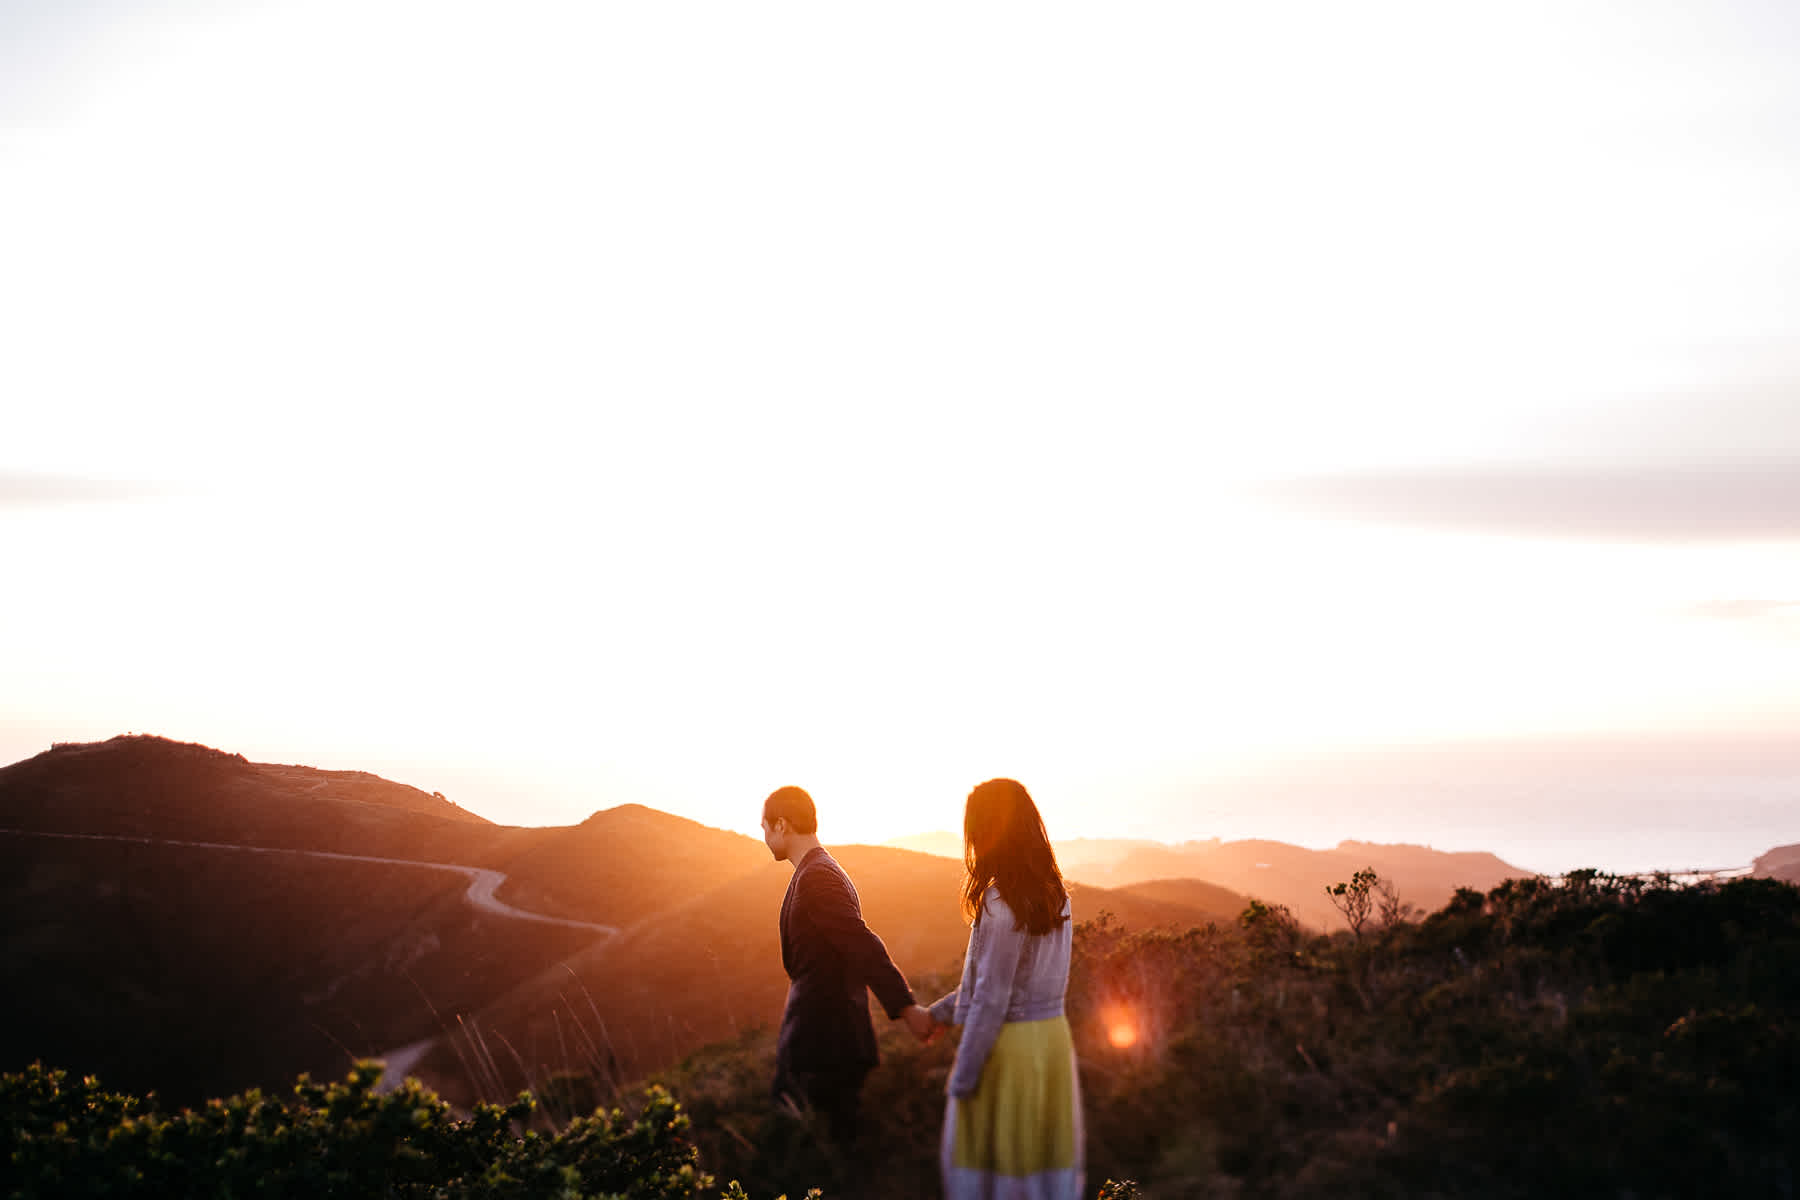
column 826, row 1047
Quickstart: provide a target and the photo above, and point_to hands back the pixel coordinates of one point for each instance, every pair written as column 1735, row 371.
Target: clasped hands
column 924, row 1026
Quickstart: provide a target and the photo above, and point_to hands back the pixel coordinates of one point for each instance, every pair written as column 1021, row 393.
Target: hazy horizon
column 1550, row 805
column 1377, row 422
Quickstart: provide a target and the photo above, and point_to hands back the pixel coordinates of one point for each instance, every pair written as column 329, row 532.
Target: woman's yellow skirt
column 1020, row 1136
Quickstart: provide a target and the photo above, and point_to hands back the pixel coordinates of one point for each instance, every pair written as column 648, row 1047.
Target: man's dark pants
column 834, row 1095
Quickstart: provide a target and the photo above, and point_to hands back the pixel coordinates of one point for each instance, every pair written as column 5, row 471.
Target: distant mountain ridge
column 1273, row 872
column 1783, row 862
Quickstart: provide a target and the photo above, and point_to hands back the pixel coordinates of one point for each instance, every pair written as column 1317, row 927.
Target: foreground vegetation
column 73, row 1138
column 1597, row 1037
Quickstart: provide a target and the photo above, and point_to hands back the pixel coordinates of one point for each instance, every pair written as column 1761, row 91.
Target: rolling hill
column 198, row 971
column 708, row 967
column 145, row 786
column 1278, row 873
column 624, row 864
column 140, row 943
column 1273, row 872
column 1211, row 901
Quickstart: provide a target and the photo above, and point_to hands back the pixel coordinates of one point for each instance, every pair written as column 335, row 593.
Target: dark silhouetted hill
column 144, row 786
column 196, row 969
column 156, row 953
column 198, row 972
column 626, row 863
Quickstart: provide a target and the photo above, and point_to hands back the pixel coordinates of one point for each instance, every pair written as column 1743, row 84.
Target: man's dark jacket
column 831, row 957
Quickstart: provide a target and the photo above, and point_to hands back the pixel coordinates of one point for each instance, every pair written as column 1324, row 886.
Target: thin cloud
column 1745, row 608
column 19, row 491
column 1726, row 502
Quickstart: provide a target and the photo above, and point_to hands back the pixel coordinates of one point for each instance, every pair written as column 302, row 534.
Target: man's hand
column 918, row 1019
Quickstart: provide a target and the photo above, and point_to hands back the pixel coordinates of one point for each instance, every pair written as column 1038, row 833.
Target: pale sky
column 561, row 405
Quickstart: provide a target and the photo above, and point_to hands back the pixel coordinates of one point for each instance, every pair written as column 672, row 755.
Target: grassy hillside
column 1208, row 901
column 626, row 863
column 708, row 967
column 1602, row 1037
column 198, row 970
column 201, row 972
column 1605, row 1038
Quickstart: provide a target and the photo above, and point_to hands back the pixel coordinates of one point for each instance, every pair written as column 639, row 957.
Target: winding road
column 483, row 882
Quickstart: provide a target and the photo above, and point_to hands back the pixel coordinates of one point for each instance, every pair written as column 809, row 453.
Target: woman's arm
column 1002, row 942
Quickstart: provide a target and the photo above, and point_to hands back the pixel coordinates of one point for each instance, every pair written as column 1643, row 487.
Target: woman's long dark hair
column 1005, row 846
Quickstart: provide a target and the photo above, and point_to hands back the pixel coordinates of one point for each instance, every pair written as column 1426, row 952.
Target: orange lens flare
column 1121, row 1029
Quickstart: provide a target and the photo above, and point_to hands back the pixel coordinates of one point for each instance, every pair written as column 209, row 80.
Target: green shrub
column 68, row 1138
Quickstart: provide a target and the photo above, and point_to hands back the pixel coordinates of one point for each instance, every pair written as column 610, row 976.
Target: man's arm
column 833, row 913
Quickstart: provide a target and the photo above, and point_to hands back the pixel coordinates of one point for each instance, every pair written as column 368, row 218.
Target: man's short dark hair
column 794, row 806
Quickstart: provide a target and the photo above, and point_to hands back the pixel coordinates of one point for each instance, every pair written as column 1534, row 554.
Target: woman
column 1012, row 1127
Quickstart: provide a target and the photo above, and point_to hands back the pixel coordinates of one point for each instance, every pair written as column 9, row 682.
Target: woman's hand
column 918, row 1019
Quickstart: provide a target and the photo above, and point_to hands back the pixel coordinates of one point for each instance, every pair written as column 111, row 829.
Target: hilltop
column 139, row 785
column 626, row 863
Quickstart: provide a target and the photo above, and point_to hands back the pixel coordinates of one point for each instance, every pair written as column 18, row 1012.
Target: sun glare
column 1121, row 1029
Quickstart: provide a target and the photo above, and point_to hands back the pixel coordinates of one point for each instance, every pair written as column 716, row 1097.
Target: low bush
column 73, row 1138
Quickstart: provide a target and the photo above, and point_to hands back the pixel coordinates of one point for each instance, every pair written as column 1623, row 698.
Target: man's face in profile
column 775, row 834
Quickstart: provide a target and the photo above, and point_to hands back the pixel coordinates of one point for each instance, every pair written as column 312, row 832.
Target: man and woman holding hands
column 1012, row 1124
